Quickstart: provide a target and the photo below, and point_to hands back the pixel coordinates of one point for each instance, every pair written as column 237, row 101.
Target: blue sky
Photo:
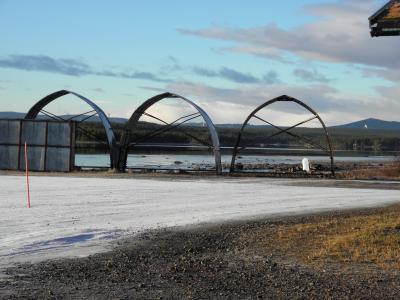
column 228, row 56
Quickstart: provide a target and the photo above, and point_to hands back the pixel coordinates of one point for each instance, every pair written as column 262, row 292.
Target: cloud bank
column 69, row 67
column 236, row 76
column 340, row 34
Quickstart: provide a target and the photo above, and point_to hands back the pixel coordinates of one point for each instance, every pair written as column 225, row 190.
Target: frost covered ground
column 78, row 216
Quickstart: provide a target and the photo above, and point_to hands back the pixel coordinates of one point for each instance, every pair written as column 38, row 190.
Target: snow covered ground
column 79, row 216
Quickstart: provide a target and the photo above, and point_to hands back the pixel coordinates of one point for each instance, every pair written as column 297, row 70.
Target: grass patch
column 388, row 171
column 364, row 239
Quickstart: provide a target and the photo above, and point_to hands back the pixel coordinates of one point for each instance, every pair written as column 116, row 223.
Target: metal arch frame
column 134, row 119
column 35, row 110
column 282, row 98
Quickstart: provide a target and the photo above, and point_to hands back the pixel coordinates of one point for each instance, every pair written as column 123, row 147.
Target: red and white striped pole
column 27, row 175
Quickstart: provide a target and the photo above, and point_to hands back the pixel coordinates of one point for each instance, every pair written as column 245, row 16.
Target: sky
column 228, row 56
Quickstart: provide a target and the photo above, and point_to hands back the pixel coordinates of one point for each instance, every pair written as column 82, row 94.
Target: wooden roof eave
column 372, row 19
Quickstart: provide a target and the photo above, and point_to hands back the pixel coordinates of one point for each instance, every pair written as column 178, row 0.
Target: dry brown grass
column 363, row 239
column 388, row 171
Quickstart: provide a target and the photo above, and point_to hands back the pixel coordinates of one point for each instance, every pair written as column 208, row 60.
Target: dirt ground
column 243, row 260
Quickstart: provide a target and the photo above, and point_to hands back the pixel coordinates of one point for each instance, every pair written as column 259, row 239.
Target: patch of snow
column 79, row 216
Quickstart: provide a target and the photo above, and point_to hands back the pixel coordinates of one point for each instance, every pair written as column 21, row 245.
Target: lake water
column 189, row 161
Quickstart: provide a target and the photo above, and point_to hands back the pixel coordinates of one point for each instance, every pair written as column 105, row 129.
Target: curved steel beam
column 283, row 98
column 35, row 110
column 134, row 119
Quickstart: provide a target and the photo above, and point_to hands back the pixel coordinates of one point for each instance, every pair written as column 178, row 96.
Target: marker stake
column 27, row 175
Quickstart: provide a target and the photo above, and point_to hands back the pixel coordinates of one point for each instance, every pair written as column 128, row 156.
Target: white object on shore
column 306, row 164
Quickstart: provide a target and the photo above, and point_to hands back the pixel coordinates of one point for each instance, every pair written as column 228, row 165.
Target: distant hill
column 372, row 123
column 238, row 126
column 232, row 126
column 11, row 115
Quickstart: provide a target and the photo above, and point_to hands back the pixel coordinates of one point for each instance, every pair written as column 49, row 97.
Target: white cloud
column 233, row 105
column 340, row 34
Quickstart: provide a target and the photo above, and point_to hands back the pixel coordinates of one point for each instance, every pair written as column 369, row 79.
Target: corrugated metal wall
column 50, row 145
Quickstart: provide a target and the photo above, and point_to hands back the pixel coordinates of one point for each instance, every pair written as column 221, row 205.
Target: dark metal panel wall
column 58, row 159
column 8, row 157
column 9, row 139
column 59, row 134
column 50, row 145
column 9, row 131
column 33, row 133
column 36, row 157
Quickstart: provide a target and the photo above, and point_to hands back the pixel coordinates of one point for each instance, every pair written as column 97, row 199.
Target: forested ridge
column 254, row 136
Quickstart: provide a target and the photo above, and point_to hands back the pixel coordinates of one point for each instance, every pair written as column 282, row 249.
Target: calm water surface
column 182, row 161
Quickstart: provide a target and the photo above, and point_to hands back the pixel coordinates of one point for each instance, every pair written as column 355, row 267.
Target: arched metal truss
column 285, row 98
column 141, row 110
column 111, row 141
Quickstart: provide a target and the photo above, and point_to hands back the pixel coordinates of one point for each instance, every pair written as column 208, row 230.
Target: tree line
column 89, row 134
